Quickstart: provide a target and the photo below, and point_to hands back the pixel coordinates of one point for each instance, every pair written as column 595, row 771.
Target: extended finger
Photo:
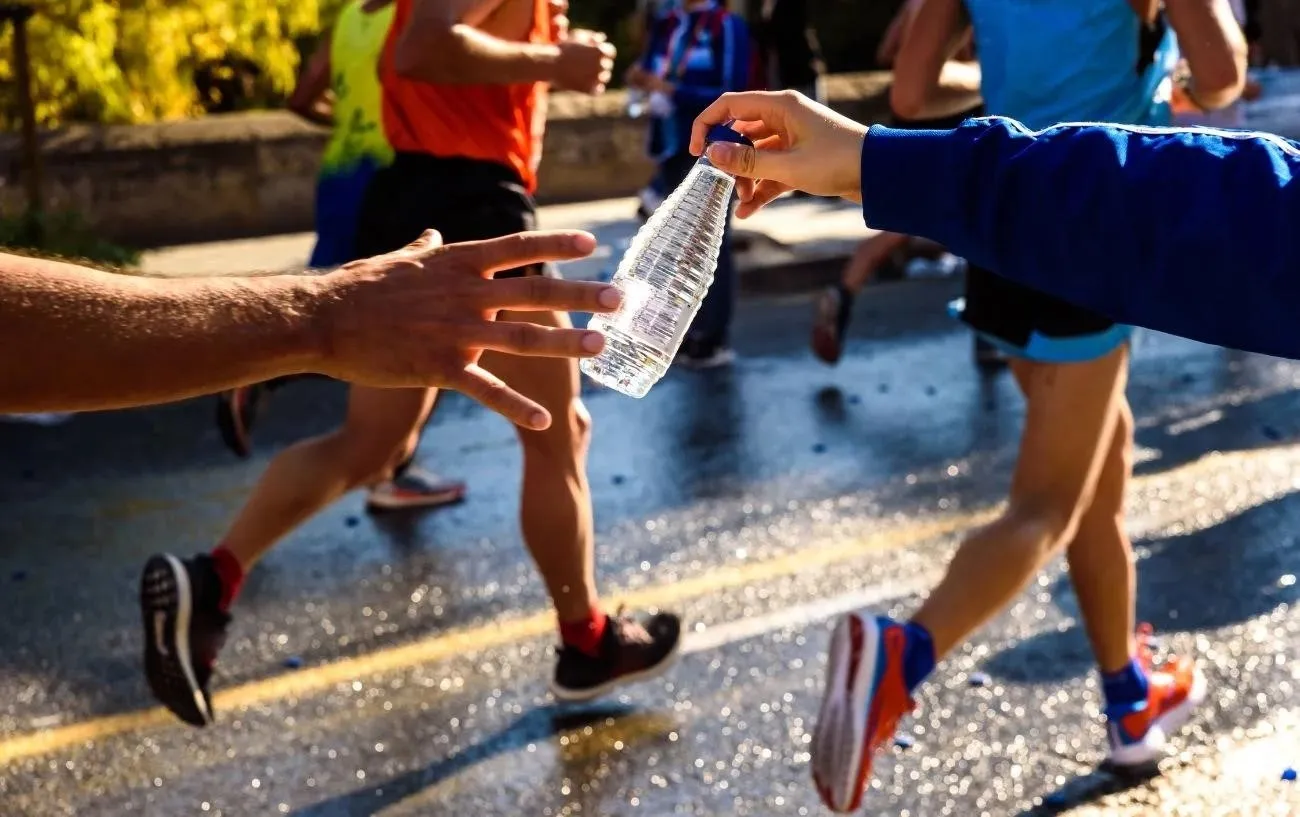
column 486, row 388
column 531, row 340
column 765, row 192
column 524, row 249
column 536, row 293
column 428, row 240
column 744, row 188
column 754, row 130
column 748, row 106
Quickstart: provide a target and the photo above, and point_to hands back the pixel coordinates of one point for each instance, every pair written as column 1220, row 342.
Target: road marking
column 800, row 615
column 508, row 630
column 493, row 634
column 626, row 726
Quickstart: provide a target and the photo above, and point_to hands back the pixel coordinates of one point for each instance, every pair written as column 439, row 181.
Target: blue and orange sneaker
column 865, row 697
column 1175, row 687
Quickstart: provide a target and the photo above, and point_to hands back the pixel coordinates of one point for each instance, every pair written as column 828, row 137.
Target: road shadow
column 180, row 436
column 1266, row 422
column 1089, row 788
column 1206, row 580
column 550, row 722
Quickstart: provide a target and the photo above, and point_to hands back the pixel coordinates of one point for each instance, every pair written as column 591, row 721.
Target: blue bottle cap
column 723, row 133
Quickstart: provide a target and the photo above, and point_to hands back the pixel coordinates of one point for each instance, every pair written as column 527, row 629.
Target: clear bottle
column 664, row 277
column 636, row 103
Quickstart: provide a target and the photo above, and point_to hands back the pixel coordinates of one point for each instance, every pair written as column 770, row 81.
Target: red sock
column 585, row 633
column 231, row 574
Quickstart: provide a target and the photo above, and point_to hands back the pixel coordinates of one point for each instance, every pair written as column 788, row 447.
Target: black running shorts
column 1021, row 321
column 463, row 199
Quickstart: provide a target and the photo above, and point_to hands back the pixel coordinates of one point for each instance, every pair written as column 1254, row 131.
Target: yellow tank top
column 355, row 50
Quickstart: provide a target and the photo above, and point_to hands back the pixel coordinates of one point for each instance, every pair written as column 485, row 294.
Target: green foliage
column 136, row 60
column 62, row 235
column 132, row 61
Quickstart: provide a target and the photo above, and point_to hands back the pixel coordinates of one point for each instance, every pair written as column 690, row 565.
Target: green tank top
column 355, row 51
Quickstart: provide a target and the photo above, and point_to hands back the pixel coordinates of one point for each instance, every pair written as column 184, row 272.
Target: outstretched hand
column 424, row 315
column 799, row 144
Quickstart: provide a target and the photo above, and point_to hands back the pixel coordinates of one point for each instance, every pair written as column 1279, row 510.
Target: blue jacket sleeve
column 1186, row 231
column 735, row 68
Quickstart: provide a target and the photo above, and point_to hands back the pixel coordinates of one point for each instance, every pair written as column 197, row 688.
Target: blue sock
column 918, row 655
column 1125, row 690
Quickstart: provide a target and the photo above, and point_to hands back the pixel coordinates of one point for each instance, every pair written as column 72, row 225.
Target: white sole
column 839, row 738
column 1153, row 747
column 388, row 503
column 648, row 674
column 181, row 633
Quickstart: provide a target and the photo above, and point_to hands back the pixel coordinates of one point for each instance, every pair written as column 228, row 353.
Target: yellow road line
column 497, row 633
column 507, row 630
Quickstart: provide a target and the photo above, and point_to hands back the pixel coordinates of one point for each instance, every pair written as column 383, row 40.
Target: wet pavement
column 397, row 665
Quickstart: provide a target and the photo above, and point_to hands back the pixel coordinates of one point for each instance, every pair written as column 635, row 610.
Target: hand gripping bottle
column 663, row 277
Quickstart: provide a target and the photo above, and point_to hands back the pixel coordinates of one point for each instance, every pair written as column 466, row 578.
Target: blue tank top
column 1050, row 61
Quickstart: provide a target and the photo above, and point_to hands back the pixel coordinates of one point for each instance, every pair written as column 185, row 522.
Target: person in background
column 648, row 14
column 885, row 255
column 1279, row 32
column 1052, row 60
column 339, row 88
column 465, row 86
column 695, row 53
column 791, row 54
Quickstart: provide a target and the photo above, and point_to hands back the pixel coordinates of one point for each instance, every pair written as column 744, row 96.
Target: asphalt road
column 397, row 665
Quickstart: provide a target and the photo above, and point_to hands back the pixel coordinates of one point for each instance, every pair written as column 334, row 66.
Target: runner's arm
column 928, row 83
column 441, row 44
column 1082, row 212
column 1214, row 45
column 73, row 338
column 310, row 96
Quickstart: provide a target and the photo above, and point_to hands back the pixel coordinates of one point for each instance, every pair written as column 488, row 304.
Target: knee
column 568, row 436
column 1043, row 524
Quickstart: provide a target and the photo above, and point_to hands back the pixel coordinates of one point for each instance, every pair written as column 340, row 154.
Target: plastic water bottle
column 636, row 103
column 664, row 277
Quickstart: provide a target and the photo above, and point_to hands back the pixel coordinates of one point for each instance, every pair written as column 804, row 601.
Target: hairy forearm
column 463, row 55
column 73, row 338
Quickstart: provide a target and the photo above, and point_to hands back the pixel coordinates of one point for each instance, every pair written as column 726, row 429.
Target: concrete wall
column 242, row 175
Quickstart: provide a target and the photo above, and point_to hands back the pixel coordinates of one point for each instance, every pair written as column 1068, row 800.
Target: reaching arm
column 928, row 84
column 310, row 96
column 76, row 338
column 1083, row 212
column 73, row 338
column 443, row 44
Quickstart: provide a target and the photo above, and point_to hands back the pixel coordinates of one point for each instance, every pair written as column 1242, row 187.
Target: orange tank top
column 495, row 123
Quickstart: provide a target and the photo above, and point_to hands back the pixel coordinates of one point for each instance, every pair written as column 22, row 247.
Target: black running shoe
column 629, row 652
column 184, row 629
column 236, row 412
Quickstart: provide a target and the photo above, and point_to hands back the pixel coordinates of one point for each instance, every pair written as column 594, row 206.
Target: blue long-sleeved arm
column 1191, row 232
column 735, row 69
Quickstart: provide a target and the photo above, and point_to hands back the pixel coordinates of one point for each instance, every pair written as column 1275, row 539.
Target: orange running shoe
column 864, row 699
column 1175, row 687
